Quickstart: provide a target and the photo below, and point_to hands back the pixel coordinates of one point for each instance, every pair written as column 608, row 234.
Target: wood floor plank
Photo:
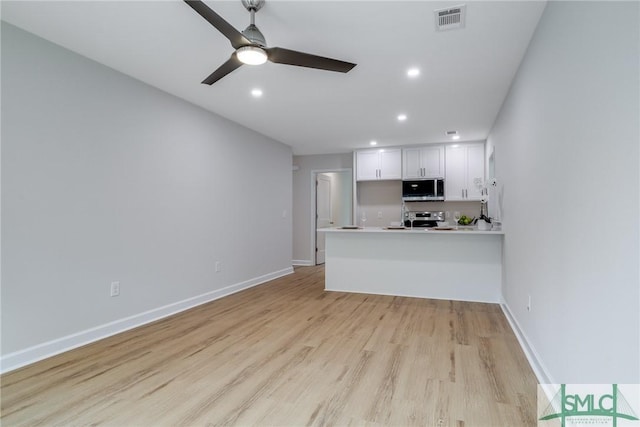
column 289, row 353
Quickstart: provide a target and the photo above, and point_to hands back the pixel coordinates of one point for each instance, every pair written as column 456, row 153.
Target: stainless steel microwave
column 423, row 190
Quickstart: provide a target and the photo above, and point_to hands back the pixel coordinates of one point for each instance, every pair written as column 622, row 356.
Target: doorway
column 333, row 205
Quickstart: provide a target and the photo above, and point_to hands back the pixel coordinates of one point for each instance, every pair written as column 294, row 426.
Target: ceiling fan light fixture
column 251, row 55
column 251, row 47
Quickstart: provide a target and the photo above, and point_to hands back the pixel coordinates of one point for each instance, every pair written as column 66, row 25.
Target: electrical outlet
column 218, row 267
column 379, row 214
column 115, row 289
column 528, row 302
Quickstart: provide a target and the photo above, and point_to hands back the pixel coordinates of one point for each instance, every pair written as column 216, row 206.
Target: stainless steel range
column 423, row 218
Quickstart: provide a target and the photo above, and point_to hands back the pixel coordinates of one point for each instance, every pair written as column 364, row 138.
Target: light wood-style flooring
column 288, row 353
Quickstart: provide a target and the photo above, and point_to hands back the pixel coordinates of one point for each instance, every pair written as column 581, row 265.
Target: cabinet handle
column 462, row 193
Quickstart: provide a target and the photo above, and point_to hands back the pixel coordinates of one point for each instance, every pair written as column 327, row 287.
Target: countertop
column 456, row 230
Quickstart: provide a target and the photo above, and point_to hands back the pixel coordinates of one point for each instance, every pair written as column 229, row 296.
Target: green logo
column 585, row 408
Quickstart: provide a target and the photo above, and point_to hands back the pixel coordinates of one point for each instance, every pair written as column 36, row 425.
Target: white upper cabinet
column 475, row 171
column 372, row 165
column 456, row 180
column 423, row 162
column 464, row 165
column 391, row 164
column 367, row 165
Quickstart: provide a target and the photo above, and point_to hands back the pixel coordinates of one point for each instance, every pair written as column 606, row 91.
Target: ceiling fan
column 251, row 48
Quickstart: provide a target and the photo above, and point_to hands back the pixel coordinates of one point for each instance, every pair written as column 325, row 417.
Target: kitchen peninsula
column 464, row 265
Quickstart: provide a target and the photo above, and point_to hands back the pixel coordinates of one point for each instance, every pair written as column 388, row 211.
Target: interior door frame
column 323, row 179
column 314, row 208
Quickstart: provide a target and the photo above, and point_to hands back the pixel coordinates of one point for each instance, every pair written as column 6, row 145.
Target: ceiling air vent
column 450, row 18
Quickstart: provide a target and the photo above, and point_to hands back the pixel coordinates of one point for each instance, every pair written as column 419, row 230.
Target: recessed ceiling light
column 373, row 143
column 256, row 93
column 402, row 117
column 455, row 137
column 413, row 72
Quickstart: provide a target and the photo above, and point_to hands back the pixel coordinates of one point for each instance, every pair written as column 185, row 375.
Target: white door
column 323, row 213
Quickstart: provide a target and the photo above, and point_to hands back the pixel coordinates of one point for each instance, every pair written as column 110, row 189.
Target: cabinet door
column 367, row 165
column 411, row 164
column 475, row 170
column 432, row 161
column 391, row 164
column 456, row 168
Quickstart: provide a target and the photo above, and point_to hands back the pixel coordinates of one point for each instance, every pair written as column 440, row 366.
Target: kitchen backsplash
column 377, row 198
column 384, row 198
column 469, row 209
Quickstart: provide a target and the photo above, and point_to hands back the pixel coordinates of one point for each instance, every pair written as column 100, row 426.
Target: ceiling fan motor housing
column 254, row 35
column 253, row 4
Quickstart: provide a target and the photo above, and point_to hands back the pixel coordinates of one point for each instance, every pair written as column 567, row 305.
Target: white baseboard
column 408, row 295
column 18, row 359
column 302, row 262
column 539, row 369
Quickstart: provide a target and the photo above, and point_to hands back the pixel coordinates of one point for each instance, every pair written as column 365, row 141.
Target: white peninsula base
column 456, row 265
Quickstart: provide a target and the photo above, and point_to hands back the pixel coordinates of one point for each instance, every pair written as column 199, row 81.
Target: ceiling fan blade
column 235, row 37
column 231, row 64
column 301, row 59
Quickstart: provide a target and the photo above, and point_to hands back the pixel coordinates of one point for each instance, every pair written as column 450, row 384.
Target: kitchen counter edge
column 460, row 231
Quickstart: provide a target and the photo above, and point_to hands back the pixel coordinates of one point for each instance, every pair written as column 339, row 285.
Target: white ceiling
column 465, row 74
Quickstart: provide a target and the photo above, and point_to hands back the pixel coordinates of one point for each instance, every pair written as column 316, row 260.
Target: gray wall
column 107, row 179
column 566, row 143
column 302, row 198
